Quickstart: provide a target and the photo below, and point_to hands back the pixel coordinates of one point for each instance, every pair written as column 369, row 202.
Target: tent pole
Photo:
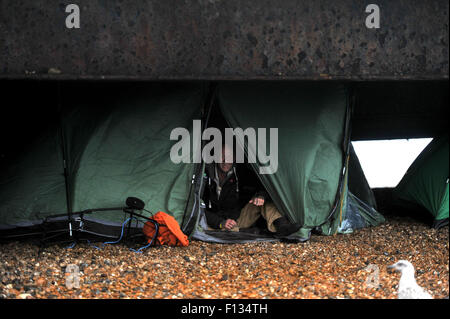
column 346, row 149
column 64, row 154
column 209, row 101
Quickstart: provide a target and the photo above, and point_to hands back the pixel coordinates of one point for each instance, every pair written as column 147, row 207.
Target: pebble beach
column 351, row 266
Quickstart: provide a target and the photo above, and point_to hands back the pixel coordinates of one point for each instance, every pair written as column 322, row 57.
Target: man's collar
column 216, row 175
column 229, row 173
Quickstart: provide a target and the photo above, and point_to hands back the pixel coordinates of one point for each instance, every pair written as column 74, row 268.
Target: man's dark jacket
column 227, row 206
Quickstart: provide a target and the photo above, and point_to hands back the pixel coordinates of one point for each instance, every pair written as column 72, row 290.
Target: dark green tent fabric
column 118, row 149
column 33, row 186
column 310, row 120
column 426, row 180
column 128, row 153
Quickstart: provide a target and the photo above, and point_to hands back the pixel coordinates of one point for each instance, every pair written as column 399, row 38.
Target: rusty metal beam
column 224, row 40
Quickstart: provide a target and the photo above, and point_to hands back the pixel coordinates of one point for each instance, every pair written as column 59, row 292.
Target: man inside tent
column 222, row 199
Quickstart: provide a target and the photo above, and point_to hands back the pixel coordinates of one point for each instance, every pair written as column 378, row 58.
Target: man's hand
column 257, row 201
column 229, row 224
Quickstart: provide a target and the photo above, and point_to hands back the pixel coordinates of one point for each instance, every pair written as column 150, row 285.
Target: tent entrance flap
column 310, row 122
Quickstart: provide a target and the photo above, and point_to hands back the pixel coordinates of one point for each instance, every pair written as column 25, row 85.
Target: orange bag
column 169, row 232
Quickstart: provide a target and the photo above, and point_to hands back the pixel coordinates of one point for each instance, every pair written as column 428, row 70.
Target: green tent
column 82, row 167
column 425, row 183
column 111, row 151
column 310, row 185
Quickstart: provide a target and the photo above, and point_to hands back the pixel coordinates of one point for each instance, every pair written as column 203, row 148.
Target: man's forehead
column 227, row 153
column 227, row 148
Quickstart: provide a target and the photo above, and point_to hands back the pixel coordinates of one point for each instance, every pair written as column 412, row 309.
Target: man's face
column 227, row 160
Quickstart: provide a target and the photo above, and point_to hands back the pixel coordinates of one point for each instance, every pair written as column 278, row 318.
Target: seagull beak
column 391, row 267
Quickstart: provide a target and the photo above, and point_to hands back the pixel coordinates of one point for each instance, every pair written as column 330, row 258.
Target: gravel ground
column 324, row 267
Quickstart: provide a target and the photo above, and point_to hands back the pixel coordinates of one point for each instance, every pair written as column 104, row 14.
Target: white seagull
column 407, row 286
